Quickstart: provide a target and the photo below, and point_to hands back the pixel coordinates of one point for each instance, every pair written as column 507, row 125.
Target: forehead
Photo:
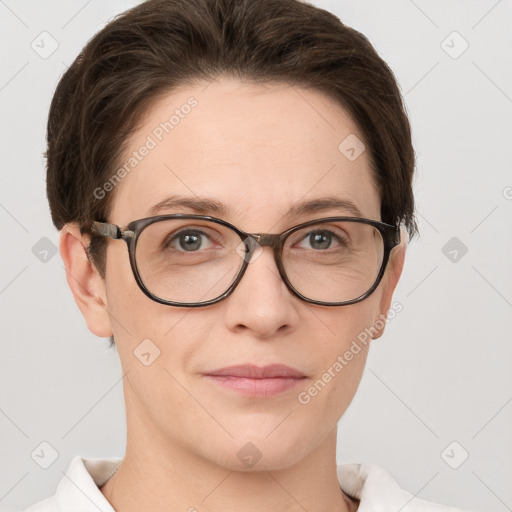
column 259, row 149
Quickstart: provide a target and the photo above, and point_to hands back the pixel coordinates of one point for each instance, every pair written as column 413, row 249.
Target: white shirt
column 78, row 491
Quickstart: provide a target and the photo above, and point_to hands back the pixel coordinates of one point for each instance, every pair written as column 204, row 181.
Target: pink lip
column 254, row 381
column 251, row 371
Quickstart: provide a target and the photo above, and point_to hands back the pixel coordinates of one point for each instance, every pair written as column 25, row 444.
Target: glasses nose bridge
column 260, row 240
column 265, row 240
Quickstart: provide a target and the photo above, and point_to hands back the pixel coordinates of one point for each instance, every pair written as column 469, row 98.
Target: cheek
column 347, row 328
column 137, row 321
column 343, row 355
column 331, row 390
column 154, row 341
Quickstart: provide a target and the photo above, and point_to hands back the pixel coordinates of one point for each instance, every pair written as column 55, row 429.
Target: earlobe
column 390, row 280
column 86, row 284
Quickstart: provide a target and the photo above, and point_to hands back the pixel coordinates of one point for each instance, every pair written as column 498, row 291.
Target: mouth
column 255, row 381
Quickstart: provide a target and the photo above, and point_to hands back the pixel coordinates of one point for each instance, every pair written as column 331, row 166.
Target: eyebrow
column 207, row 206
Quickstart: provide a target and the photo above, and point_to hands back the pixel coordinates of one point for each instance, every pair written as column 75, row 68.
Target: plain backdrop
column 435, row 404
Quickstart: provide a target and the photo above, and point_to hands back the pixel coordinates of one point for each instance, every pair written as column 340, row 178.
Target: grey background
column 440, row 374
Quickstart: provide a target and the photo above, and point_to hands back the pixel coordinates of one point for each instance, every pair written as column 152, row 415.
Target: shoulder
column 378, row 490
column 79, row 488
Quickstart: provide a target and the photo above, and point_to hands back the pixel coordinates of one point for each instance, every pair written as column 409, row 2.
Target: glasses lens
column 188, row 260
column 333, row 261
column 192, row 260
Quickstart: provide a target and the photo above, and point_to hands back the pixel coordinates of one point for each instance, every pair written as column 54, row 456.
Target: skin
column 258, row 149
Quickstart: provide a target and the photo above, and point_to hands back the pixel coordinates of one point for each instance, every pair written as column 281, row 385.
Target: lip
column 255, row 381
column 250, row 371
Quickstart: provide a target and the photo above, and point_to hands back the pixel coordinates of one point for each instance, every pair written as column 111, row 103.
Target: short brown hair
column 158, row 45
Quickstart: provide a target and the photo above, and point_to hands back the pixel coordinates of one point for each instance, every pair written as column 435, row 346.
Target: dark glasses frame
column 130, row 234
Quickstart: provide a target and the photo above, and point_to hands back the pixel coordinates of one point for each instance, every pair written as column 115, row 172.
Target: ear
column 84, row 280
column 390, row 280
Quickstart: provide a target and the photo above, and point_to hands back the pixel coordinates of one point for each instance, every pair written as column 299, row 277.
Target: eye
column 322, row 239
column 189, row 240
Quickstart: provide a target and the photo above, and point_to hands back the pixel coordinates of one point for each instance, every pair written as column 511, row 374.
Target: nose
column 261, row 303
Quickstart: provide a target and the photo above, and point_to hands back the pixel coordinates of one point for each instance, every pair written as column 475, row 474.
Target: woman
column 232, row 180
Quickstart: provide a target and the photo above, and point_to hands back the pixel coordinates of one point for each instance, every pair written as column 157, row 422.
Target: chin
column 257, row 453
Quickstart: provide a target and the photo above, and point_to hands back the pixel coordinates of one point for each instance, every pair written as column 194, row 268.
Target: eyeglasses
column 191, row 260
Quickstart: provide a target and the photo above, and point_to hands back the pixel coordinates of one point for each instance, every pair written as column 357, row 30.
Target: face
column 258, row 150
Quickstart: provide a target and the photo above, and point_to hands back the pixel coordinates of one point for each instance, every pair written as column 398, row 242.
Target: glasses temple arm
column 106, row 229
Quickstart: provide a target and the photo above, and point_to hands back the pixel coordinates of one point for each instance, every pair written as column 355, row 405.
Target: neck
column 159, row 474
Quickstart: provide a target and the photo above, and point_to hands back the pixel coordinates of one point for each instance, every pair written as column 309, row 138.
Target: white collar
column 78, row 490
